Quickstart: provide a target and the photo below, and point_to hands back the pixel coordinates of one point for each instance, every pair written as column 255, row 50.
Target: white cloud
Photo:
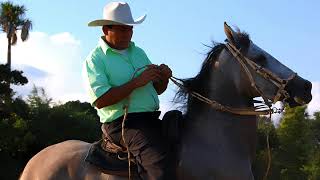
column 314, row 105
column 64, row 38
column 58, row 59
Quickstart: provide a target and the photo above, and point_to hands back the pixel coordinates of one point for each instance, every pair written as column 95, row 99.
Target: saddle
column 108, row 162
column 112, row 159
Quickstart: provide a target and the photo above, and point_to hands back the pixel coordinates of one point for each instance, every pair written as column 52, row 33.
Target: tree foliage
column 294, row 146
column 14, row 77
column 36, row 123
column 28, row 126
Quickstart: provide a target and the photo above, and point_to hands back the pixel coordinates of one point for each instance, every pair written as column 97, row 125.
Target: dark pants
column 145, row 140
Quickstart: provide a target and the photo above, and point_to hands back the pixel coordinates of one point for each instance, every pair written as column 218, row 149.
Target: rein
column 126, row 110
column 214, row 104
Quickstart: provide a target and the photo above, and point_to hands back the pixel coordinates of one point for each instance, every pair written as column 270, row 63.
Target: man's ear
column 105, row 30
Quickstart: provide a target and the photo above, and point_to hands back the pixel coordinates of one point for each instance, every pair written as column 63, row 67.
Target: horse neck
column 221, row 89
column 224, row 91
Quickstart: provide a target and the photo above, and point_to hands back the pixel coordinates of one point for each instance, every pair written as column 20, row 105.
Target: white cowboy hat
column 117, row 13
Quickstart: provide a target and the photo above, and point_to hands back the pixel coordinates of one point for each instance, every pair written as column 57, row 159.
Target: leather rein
column 246, row 63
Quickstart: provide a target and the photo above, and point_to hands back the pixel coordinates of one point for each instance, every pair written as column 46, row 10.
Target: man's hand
column 162, row 83
column 151, row 73
column 165, row 71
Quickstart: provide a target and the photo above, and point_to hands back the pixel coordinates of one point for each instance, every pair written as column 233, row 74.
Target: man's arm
column 118, row 93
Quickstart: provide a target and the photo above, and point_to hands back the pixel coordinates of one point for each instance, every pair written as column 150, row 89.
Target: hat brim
column 103, row 22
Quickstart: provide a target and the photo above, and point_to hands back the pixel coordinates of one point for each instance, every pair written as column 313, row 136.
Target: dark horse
column 216, row 143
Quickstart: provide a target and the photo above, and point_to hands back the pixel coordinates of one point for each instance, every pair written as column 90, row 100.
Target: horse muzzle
column 299, row 91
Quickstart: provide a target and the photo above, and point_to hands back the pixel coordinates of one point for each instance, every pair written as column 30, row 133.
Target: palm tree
column 12, row 19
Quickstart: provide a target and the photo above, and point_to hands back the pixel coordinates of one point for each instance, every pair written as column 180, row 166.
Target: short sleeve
column 96, row 79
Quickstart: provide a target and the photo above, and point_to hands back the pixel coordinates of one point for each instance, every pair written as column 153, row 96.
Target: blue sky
column 173, row 33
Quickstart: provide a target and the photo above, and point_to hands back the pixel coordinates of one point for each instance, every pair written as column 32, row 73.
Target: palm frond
column 11, row 14
column 4, row 27
column 27, row 26
column 17, row 14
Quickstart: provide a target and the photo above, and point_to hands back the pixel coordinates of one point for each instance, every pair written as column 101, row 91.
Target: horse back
column 59, row 161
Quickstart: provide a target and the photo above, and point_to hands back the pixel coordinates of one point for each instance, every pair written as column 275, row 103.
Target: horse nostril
column 307, row 86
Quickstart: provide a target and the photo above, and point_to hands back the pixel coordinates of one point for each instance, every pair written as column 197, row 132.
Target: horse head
column 265, row 75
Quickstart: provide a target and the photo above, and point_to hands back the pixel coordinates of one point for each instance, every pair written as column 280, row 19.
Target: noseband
column 273, row 78
column 246, row 63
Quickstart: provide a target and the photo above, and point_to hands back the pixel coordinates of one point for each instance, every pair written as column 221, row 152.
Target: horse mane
column 199, row 82
column 243, row 39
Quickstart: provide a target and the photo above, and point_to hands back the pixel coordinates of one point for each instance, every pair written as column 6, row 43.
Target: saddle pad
column 108, row 162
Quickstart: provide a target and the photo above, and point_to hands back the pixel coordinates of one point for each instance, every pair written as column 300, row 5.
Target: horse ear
column 231, row 35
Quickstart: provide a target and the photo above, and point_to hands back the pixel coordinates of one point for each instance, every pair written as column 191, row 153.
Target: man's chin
column 122, row 47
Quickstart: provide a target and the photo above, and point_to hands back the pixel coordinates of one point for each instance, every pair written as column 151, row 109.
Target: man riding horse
column 218, row 131
column 124, row 85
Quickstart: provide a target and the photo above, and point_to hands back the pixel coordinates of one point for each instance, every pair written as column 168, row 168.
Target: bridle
column 265, row 106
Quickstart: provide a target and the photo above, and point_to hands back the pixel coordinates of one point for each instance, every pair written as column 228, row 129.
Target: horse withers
column 217, row 142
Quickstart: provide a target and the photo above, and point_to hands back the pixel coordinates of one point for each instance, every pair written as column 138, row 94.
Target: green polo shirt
column 105, row 68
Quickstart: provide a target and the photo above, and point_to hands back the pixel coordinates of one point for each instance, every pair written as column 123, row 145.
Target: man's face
column 118, row 36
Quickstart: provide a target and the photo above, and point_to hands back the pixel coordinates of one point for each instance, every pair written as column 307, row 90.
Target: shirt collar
column 105, row 47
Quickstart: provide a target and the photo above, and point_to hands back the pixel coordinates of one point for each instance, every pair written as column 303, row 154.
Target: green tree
column 55, row 123
column 12, row 19
column 266, row 132
column 37, row 123
column 315, row 126
column 15, row 141
column 38, row 98
column 6, row 93
column 312, row 168
column 295, row 137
